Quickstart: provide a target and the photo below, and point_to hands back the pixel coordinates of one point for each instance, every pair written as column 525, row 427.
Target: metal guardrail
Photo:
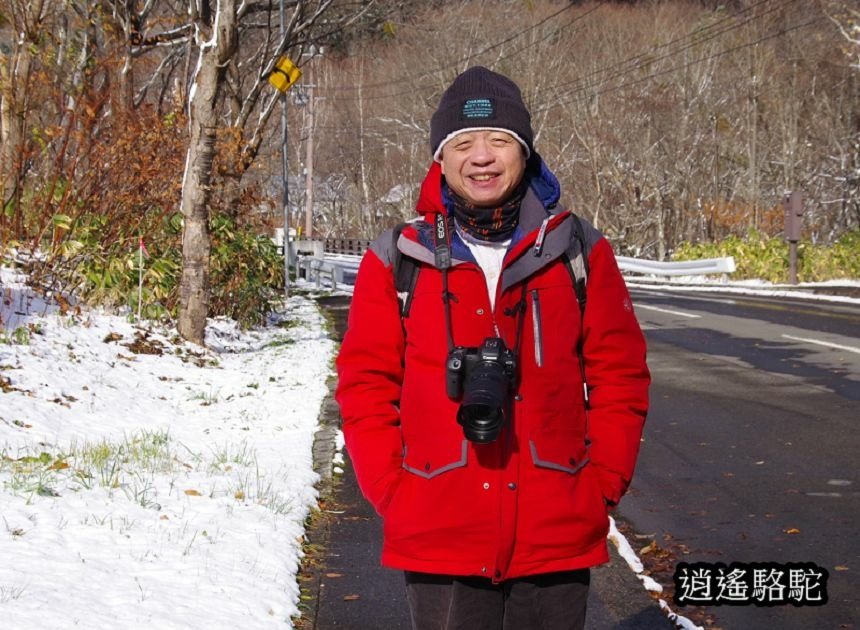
column 341, row 269
column 702, row 267
column 336, row 270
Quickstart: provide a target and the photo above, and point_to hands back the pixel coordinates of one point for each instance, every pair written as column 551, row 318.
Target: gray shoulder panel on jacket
column 556, row 243
column 384, row 247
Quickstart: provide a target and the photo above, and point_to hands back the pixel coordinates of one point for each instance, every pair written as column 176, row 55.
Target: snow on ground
column 145, row 482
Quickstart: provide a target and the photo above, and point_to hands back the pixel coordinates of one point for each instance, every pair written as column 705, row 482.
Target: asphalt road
column 751, row 446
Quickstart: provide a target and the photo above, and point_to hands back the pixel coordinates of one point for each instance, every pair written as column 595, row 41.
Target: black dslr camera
column 484, row 377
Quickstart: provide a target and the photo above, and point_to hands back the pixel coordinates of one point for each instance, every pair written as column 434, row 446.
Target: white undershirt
column 489, row 256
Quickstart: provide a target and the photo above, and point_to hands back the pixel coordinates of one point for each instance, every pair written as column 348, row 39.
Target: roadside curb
column 318, row 524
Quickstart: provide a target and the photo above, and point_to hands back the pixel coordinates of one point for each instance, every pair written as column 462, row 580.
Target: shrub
column 101, row 271
column 767, row 258
column 247, row 272
column 840, row 260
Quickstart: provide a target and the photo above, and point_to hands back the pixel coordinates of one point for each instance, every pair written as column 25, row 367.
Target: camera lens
column 484, row 395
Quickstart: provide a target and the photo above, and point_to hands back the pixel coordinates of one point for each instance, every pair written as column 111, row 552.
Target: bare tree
column 216, row 38
column 19, row 44
column 248, row 106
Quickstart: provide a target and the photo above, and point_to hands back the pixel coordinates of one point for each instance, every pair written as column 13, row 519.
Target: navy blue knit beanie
column 480, row 99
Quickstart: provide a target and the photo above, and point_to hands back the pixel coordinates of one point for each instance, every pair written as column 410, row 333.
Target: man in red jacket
column 492, row 412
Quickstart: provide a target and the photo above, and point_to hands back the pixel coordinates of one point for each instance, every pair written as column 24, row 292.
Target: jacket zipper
column 536, row 326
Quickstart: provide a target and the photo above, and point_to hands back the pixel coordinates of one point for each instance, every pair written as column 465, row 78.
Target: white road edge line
column 648, row 307
column 823, row 343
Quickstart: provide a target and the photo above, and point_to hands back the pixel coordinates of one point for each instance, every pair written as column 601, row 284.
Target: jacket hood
column 432, row 198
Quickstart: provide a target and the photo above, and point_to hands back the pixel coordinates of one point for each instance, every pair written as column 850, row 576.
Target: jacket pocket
column 536, row 326
column 428, row 461
column 559, row 454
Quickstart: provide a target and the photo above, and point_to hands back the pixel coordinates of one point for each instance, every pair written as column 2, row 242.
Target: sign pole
column 792, row 204
column 284, row 74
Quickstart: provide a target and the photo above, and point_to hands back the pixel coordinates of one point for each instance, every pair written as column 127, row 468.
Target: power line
column 572, row 95
column 392, row 130
column 634, row 58
column 697, row 37
column 696, row 34
column 442, row 68
column 411, row 92
column 650, row 61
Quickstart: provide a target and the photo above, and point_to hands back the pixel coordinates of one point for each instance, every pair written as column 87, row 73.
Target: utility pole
column 309, row 167
column 285, row 174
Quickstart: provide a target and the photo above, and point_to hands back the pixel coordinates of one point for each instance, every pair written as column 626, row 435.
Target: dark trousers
column 551, row 601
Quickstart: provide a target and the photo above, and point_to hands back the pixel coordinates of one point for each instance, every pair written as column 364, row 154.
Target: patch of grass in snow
column 280, row 342
column 31, row 473
column 133, row 465
column 205, row 398
column 290, row 323
column 109, row 464
column 130, row 464
column 249, row 485
column 224, row 457
column 21, row 335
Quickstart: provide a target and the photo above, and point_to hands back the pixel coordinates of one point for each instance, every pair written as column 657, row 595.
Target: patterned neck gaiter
column 488, row 224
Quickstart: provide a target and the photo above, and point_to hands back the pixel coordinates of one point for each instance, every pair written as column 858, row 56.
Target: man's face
column 483, row 167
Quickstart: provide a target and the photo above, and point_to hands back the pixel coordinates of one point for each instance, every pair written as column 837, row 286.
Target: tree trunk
column 196, row 183
column 365, row 193
column 14, row 106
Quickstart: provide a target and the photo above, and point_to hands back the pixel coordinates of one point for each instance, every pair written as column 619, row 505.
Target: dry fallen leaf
column 841, row 567
column 648, row 548
column 334, row 575
column 351, row 598
column 792, row 530
column 192, row 493
column 642, row 536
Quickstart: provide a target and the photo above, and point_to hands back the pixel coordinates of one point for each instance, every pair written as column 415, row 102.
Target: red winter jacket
column 535, row 500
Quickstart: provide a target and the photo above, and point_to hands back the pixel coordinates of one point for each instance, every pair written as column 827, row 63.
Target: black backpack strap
column 576, row 258
column 405, row 270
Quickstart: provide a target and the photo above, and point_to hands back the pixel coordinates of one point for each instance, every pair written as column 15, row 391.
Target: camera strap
column 442, row 253
column 441, row 235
